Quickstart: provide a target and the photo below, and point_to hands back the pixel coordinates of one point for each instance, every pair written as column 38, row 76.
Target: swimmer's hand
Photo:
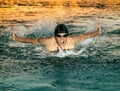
column 14, row 36
column 24, row 40
column 99, row 28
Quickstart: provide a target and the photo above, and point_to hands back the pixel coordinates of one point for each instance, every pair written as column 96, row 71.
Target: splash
column 80, row 52
column 62, row 53
column 46, row 27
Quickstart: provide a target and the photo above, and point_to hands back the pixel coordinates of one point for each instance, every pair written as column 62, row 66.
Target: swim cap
column 60, row 28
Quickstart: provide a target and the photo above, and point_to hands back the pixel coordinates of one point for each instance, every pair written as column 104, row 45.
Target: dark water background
column 28, row 67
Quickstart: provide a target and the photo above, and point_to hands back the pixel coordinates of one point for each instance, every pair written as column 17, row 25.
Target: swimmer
column 61, row 39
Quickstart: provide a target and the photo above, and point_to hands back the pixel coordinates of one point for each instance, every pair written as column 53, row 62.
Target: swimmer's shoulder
column 45, row 40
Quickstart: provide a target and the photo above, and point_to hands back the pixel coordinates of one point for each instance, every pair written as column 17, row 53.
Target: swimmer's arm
column 25, row 40
column 90, row 34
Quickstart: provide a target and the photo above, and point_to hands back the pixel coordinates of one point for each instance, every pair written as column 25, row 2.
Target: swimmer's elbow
column 35, row 41
column 89, row 35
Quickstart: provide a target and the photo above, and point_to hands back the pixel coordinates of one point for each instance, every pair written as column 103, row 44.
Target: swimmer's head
column 61, row 28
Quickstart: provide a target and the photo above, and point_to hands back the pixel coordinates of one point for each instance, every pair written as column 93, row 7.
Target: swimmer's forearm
column 26, row 40
column 91, row 34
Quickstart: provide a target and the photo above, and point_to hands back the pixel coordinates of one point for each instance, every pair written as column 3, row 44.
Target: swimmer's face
column 61, row 39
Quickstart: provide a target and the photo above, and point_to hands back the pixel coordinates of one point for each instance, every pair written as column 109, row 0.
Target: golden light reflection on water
column 28, row 14
column 32, row 13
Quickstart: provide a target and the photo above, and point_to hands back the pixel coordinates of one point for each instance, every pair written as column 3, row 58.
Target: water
column 93, row 66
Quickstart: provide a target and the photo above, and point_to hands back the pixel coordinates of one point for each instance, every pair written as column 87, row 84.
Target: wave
column 40, row 29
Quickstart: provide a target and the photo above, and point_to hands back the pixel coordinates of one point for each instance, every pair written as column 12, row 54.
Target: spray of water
column 46, row 27
column 84, row 44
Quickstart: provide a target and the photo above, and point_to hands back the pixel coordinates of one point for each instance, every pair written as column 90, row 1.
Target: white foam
column 91, row 26
column 46, row 26
column 17, row 44
column 70, row 53
column 65, row 53
column 38, row 49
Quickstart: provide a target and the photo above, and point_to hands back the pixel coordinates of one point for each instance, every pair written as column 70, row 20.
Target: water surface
column 93, row 66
